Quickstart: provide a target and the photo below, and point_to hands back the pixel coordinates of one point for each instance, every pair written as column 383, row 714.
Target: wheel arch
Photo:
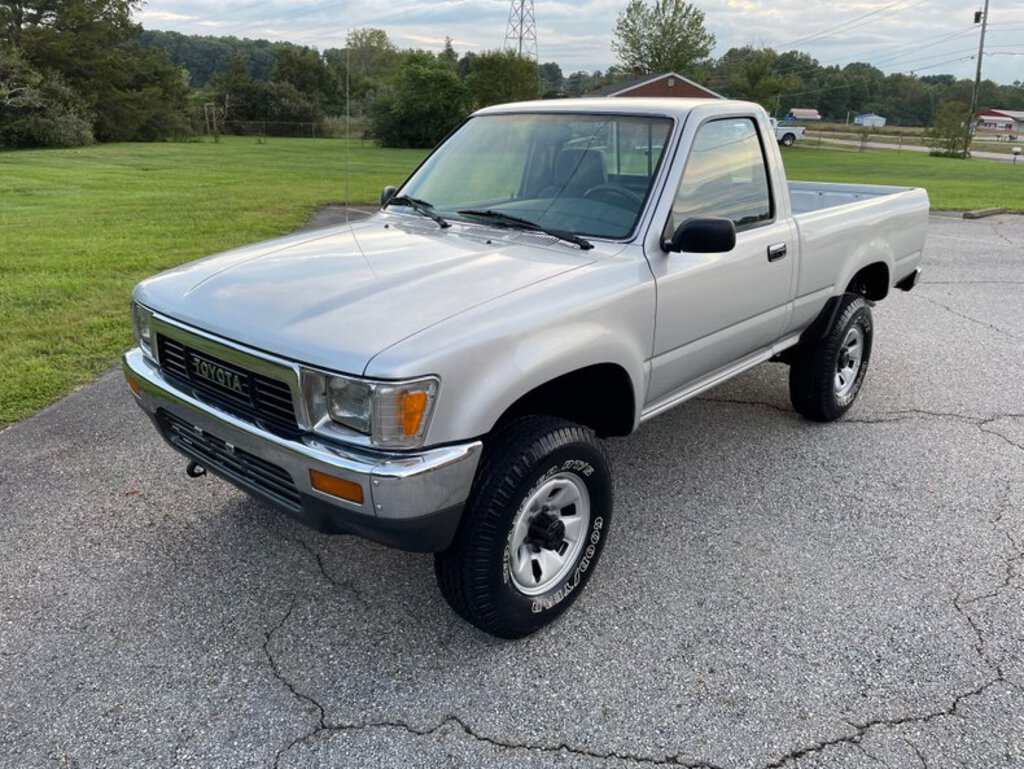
column 600, row 396
column 871, row 281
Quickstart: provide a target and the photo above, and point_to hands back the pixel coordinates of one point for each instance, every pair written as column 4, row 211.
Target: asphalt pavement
column 774, row 592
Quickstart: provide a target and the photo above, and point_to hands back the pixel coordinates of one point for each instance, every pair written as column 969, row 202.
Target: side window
column 725, row 176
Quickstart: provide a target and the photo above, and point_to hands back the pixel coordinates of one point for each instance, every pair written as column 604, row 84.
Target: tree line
column 74, row 71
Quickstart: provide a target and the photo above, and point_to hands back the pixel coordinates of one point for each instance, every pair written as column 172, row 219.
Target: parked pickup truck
column 786, row 134
column 438, row 377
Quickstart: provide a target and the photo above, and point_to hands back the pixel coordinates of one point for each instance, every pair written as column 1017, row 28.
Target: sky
column 920, row 36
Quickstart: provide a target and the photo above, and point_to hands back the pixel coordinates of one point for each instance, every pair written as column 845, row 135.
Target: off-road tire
column 475, row 574
column 814, row 387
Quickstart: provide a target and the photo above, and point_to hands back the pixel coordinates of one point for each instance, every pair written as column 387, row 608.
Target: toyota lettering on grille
column 218, row 375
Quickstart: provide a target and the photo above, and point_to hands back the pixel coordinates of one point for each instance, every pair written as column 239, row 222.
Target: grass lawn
column 951, row 183
column 81, row 227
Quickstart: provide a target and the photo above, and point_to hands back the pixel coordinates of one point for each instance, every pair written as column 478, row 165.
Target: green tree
column 666, row 36
column 371, row 54
column 132, row 92
column 448, row 54
column 754, row 74
column 37, row 111
column 551, row 80
column 949, row 136
column 305, row 69
column 144, row 101
column 426, row 100
column 496, row 77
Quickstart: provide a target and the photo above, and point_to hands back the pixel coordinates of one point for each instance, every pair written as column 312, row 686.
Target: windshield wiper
column 501, row 218
column 420, row 206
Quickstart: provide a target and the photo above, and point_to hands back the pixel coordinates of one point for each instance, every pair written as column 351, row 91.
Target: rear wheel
column 788, row 140
column 825, row 377
column 533, row 530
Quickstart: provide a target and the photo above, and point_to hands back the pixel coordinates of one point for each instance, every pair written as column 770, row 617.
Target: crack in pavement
column 452, row 720
column 903, row 415
column 862, row 729
column 997, row 229
column 917, row 752
column 959, row 314
column 339, row 584
column 275, row 668
column 323, row 727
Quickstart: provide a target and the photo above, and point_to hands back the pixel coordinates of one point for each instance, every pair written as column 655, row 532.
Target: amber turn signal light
column 413, row 406
column 133, row 386
column 336, row 487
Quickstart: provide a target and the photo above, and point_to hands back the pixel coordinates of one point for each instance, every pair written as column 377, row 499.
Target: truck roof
column 668, row 106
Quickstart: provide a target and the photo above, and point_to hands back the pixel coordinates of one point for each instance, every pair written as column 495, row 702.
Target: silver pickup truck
column 437, row 377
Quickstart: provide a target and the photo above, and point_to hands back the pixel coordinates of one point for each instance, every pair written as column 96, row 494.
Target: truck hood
column 334, row 298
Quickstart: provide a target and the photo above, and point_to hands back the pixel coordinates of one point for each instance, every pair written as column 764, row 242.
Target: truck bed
column 844, row 226
column 814, row 196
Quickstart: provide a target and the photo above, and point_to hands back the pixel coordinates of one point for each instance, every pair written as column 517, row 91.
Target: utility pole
column 977, row 76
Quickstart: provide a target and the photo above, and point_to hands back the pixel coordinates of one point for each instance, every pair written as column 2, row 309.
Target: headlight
column 349, row 402
column 392, row 414
column 141, row 318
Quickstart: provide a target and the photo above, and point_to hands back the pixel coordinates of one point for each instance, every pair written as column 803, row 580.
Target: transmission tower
column 521, row 33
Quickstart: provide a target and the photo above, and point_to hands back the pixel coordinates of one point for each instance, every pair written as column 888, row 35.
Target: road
column 774, row 592
column 1004, row 157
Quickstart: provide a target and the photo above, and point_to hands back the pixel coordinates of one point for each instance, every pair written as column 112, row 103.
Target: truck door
column 716, row 310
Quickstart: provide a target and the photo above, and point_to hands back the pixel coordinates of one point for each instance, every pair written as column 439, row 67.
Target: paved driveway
column 775, row 592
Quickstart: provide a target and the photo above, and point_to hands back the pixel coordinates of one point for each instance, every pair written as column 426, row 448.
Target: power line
column 859, row 21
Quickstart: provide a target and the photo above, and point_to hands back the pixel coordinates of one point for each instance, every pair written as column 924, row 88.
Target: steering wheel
column 615, row 194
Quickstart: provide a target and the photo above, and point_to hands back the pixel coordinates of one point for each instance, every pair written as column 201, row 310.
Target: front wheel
column 533, row 530
column 825, row 377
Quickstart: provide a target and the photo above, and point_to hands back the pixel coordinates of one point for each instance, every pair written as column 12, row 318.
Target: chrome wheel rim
column 851, row 357
column 563, row 502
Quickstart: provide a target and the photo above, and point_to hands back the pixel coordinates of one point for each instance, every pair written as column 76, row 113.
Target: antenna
column 348, row 117
column 521, row 32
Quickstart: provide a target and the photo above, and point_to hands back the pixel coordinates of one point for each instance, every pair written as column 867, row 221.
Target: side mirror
column 703, row 236
column 387, row 194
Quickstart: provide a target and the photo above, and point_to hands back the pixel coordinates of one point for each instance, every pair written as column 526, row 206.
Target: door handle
column 776, row 252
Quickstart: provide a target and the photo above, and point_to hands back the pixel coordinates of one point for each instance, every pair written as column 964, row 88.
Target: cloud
column 162, row 16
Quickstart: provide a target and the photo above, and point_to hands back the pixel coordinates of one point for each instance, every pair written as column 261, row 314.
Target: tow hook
column 195, row 470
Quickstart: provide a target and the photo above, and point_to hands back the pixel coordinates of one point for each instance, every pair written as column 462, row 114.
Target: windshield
column 581, row 174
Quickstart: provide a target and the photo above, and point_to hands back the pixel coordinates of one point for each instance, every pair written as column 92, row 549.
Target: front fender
column 490, row 357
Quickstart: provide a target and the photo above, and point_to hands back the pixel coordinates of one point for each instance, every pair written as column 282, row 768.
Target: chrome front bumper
column 411, row 500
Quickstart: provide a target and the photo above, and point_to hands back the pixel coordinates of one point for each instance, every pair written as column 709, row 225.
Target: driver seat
column 575, row 172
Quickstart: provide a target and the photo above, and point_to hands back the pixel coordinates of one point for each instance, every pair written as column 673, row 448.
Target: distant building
column 869, row 120
column 1000, row 120
column 800, row 113
column 660, row 84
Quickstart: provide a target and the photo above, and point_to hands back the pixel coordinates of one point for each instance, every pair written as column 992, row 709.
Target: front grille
column 247, row 470
column 261, row 399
